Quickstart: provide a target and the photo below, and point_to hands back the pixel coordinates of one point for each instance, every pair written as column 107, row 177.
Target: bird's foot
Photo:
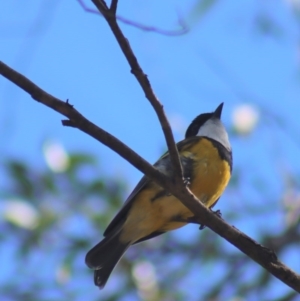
column 187, row 181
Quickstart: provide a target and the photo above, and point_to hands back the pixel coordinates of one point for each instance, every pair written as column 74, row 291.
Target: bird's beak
column 218, row 112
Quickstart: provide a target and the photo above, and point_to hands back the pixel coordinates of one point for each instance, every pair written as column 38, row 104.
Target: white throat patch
column 214, row 129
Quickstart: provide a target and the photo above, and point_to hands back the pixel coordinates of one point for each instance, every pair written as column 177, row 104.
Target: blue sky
column 223, row 58
column 72, row 54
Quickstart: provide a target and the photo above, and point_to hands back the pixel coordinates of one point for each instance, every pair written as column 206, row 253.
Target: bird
column 150, row 210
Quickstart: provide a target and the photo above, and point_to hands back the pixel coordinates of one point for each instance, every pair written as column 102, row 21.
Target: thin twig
column 264, row 256
column 176, row 32
column 142, row 78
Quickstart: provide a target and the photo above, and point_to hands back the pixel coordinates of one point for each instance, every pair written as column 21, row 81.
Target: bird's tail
column 104, row 257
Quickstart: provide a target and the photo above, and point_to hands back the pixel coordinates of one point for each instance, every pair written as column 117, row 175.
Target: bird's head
column 209, row 125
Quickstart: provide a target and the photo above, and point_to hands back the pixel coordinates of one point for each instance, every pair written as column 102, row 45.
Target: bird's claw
column 187, row 181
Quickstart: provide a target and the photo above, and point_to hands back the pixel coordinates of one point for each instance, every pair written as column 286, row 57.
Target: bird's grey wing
column 163, row 164
column 121, row 215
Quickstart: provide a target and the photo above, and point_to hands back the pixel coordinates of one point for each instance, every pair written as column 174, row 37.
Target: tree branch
column 142, row 78
column 263, row 256
column 113, row 6
column 80, row 122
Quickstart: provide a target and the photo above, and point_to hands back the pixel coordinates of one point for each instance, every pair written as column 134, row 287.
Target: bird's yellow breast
column 209, row 177
column 211, row 173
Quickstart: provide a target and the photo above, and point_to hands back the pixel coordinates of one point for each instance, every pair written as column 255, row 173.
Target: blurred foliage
column 46, row 260
column 200, row 9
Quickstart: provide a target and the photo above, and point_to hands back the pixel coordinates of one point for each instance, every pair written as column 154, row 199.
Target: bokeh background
column 59, row 188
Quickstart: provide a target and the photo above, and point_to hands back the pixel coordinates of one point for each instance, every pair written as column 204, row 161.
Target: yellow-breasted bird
column 150, row 210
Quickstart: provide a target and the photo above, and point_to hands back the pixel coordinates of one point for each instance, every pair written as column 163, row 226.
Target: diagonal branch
column 263, row 256
column 80, row 122
column 142, row 78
